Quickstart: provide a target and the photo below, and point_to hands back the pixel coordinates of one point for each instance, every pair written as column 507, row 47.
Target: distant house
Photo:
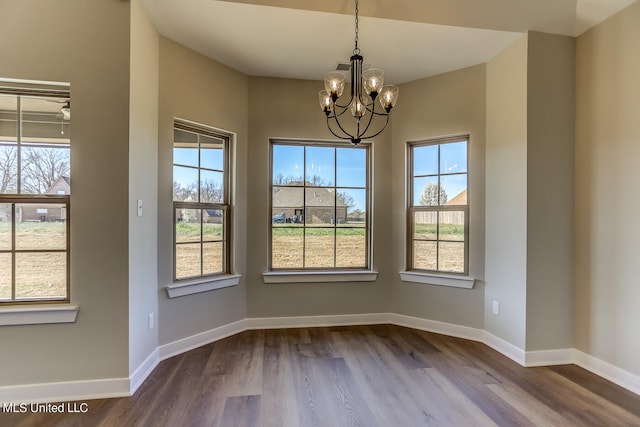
column 321, row 205
column 46, row 212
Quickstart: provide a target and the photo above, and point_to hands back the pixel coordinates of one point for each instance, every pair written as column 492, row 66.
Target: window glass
column 438, row 215
column 201, row 201
column 320, row 222
column 35, row 165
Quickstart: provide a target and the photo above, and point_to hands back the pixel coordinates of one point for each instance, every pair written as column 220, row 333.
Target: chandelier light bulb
column 366, row 86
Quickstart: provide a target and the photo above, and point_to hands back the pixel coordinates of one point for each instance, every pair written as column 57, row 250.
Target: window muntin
column 438, row 214
column 319, row 206
column 34, row 196
column 200, row 201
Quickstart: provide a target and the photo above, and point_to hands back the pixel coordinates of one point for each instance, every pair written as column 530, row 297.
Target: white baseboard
column 119, row 387
column 316, row 321
column 143, row 371
column 562, row 356
column 449, row 329
column 194, row 341
column 606, row 370
column 65, row 391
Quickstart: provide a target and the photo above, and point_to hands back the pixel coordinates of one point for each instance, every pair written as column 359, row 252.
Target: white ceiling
column 409, row 39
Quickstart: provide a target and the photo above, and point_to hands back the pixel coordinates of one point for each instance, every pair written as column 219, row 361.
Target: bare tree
column 8, row 169
column 41, row 167
column 346, row 199
column 433, row 195
column 211, row 192
column 183, row 194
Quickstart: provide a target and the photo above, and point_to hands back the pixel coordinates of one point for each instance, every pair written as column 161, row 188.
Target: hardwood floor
column 368, row 376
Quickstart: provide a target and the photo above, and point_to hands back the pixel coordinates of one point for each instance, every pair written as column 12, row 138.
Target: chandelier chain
column 356, row 51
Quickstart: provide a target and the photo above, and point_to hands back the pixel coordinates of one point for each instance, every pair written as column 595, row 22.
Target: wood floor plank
column 276, row 410
column 241, row 411
column 377, row 375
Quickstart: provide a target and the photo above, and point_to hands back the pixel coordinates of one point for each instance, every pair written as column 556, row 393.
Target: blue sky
column 340, row 167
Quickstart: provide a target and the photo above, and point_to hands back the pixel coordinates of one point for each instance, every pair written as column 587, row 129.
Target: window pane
column 288, row 205
column 213, row 255
column 351, row 167
column 41, row 275
column 5, row 226
column 211, row 153
column 185, row 184
column 5, row 277
column 424, row 225
column 183, row 138
column 188, row 225
column 187, row 260
column 287, row 247
column 43, row 121
column 211, row 187
column 454, row 190
column 351, row 247
column 212, row 224
column 186, row 155
column 424, row 255
column 351, row 207
column 453, row 157
column 320, row 206
column 425, row 191
column 288, row 164
column 8, row 118
column 42, row 167
column 40, row 226
column 320, row 166
column 451, row 257
column 8, row 168
column 425, row 160
column 451, row 225
column 319, row 247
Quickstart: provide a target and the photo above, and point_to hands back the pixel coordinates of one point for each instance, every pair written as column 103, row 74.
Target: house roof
column 291, row 196
column 458, row 199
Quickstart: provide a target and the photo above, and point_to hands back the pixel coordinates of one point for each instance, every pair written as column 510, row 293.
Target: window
column 319, row 206
column 200, row 201
column 438, row 206
column 34, row 195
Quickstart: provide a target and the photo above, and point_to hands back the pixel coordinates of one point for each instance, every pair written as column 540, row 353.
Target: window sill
column 465, row 282
column 202, row 285
column 37, row 314
column 319, row 276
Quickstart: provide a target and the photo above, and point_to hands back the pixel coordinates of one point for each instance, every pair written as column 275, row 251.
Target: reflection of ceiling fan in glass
column 66, row 110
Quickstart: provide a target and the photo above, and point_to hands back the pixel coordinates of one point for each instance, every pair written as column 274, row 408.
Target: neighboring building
column 321, row 205
column 45, row 213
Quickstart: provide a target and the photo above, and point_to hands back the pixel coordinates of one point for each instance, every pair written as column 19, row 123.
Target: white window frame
column 225, row 278
column 34, row 315
column 329, row 274
column 435, row 276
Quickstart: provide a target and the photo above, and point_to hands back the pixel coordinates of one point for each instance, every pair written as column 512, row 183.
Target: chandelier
column 366, row 86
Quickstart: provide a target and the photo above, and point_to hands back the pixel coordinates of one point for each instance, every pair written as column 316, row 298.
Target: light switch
column 139, row 207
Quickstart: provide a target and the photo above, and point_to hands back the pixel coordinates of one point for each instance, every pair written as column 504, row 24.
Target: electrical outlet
column 496, row 308
column 150, row 320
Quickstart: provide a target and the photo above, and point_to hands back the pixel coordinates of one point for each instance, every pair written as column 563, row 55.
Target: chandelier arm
column 368, row 124
column 379, row 132
column 342, row 129
column 335, row 134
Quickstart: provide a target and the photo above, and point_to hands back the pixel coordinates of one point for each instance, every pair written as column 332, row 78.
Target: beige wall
column 86, row 44
column 550, row 190
column 607, row 177
column 448, row 104
column 195, row 88
column 506, row 194
column 143, row 179
column 289, row 109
